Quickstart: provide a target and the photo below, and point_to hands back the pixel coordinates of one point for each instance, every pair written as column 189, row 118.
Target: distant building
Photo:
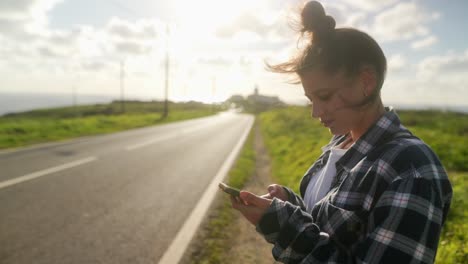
column 263, row 100
column 255, row 102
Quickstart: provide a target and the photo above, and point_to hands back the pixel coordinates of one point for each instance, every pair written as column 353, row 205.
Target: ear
column 368, row 80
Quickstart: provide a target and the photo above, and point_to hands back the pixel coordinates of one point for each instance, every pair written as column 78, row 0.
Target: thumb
column 273, row 188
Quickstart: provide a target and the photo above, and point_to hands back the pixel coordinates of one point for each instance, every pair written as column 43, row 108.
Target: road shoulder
column 242, row 244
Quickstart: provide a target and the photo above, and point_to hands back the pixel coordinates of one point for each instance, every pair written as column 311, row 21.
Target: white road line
column 155, row 140
column 41, row 173
column 148, row 142
column 178, row 246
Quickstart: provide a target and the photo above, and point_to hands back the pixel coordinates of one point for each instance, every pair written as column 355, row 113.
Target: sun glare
column 210, row 14
column 194, row 28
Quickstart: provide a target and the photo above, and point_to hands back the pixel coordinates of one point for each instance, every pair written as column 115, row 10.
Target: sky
column 219, row 48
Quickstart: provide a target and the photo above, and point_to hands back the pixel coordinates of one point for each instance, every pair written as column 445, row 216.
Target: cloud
column 24, row 18
column 133, row 37
column 356, row 20
column 445, row 66
column 424, row 43
column 132, row 47
column 370, row 5
column 63, row 38
column 26, row 21
column 119, row 38
column 246, row 22
column 438, row 81
column 15, row 29
column 217, row 61
column 141, row 29
column 93, row 66
column 397, row 63
column 48, row 52
column 25, row 9
column 57, row 44
column 405, row 21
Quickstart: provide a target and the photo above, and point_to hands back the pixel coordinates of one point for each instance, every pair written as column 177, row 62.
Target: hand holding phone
column 251, row 206
column 229, row 190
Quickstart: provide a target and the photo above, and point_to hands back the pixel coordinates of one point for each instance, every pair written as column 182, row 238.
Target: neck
column 370, row 115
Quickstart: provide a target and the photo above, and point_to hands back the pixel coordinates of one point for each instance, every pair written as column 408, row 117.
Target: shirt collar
column 386, row 126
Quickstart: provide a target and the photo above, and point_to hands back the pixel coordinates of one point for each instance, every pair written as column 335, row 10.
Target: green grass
column 293, row 140
column 445, row 132
column 64, row 123
column 219, row 227
column 452, row 245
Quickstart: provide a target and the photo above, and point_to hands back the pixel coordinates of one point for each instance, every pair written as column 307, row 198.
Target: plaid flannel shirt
column 387, row 204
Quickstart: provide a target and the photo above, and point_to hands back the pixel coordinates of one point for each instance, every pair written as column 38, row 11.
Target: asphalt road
column 118, row 198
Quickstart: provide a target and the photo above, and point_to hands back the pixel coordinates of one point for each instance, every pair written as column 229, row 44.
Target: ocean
column 20, row 102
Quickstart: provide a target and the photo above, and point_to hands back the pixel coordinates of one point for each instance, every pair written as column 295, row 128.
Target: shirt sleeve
column 294, row 198
column 403, row 227
column 290, row 229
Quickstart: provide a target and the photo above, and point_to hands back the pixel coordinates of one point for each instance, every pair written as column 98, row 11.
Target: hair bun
column 315, row 20
column 330, row 23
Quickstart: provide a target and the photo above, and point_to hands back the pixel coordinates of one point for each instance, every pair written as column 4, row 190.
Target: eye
column 325, row 97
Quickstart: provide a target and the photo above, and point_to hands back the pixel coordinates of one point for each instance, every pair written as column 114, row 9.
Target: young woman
column 377, row 194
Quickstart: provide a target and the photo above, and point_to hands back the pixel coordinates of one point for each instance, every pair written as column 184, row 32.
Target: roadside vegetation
column 294, row 143
column 46, row 125
column 218, row 228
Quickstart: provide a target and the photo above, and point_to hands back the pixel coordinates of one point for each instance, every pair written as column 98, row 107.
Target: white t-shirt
column 320, row 184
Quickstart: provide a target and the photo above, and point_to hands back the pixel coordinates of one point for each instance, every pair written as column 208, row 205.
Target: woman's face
column 332, row 98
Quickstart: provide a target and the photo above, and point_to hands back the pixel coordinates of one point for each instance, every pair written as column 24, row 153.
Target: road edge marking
column 41, row 173
column 184, row 236
column 165, row 137
column 148, row 142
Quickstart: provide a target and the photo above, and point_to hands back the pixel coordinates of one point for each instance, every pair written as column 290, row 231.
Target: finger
column 274, row 189
column 234, row 202
column 252, row 199
column 243, row 201
column 245, row 196
column 237, row 201
column 274, row 192
column 271, row 187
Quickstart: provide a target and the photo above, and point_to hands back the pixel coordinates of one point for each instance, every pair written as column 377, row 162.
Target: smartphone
column 227, row 189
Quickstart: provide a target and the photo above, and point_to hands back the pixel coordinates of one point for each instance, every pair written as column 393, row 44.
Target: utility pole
column 213, row 91
column 122, row 77
column 74, row 97
column 166, row 90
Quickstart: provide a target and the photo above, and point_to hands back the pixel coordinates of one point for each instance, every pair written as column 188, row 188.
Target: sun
column 210, row 14
column 194, row 35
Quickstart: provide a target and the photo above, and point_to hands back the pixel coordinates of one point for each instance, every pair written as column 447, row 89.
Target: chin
column 337, row 131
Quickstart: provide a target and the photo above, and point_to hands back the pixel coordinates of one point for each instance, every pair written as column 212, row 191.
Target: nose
column 317, row 110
